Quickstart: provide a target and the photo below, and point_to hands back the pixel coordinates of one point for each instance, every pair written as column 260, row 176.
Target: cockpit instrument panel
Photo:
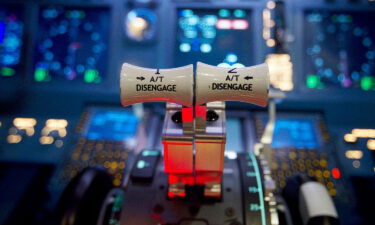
column 339, row 49
column 11, row 39
column 71, row 44
column 220, row 37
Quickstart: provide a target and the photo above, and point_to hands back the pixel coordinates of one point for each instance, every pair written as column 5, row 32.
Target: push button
column 248, row 84
column 144, row 167
column 140, row 84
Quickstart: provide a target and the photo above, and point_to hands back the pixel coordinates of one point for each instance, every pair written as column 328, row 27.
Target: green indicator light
column 367, row 83
column 224, row 13
column 312, row 81
column 40, row 75
column 92, row 76
column 7, row 72
column 239, row 13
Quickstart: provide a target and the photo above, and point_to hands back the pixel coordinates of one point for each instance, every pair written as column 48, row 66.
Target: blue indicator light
column 2, row 32
column 223, row 65
column 239, row 13
column 186, row 12
column 206, row 48
column 224, row 13
column 193, row 20
column 238, row 65
column 185, row 47
column 231, row 58
column 210, row 20
column 209, row 33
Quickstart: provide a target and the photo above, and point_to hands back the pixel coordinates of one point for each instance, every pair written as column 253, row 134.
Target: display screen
column 339, row 49
column 215, row 36
column 72, row 44
column 11, row 35
column 297, row 133
column 111, row 124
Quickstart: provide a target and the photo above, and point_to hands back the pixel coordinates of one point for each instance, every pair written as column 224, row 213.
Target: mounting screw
column 229, row 212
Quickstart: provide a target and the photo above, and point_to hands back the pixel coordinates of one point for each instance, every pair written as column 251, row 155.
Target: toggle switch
column 140, row 84
column 247, row 84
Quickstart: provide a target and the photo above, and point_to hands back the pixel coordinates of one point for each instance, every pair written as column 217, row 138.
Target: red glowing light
column 240, row 24
column 187, row 114
column 224, row 24
column 200, row 111
column 336, row 173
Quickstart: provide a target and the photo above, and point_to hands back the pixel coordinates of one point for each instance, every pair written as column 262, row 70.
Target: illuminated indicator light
column 240, row 24
column 75, row 14
column 187, row 12
column 231, row 154
column 190, row 33
column 209, row 33
column 231, row 58
column 356, row 164
column 354, row 154
column 46, row 140
column 141, row 164
column 364, row 133
column 185, row 47
column 224, row 24
column 116, row 182
column 14, row 138
column 326, row 174
column 193, row 20
column 350, row 138
column 40, row 74
column 281, row 71
column 210, row 20
column 150, row 153
column 2, row 31
column 187, row 114
column 223, row 65
column 238, row 65
column 7, row 72
column 336, row 173
column 224, row 13
column 271, row 42
column 367, row 83
column 371, row 144
column 91, row 76
column 114, row 165
column 206, row 48
column 332, row 192
column 56, row 123
column 239, row 13
column 22, row 123
column 136, row 26
column 271, row 4
column 312, row 81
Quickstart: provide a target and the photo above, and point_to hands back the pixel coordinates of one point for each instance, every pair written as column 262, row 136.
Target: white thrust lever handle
column 140, row 84
column 247, row 84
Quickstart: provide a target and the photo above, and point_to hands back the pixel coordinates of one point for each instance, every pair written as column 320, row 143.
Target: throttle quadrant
column 194, row 131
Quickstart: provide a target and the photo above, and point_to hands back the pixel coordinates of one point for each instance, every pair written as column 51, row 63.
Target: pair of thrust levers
column 194, row 131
